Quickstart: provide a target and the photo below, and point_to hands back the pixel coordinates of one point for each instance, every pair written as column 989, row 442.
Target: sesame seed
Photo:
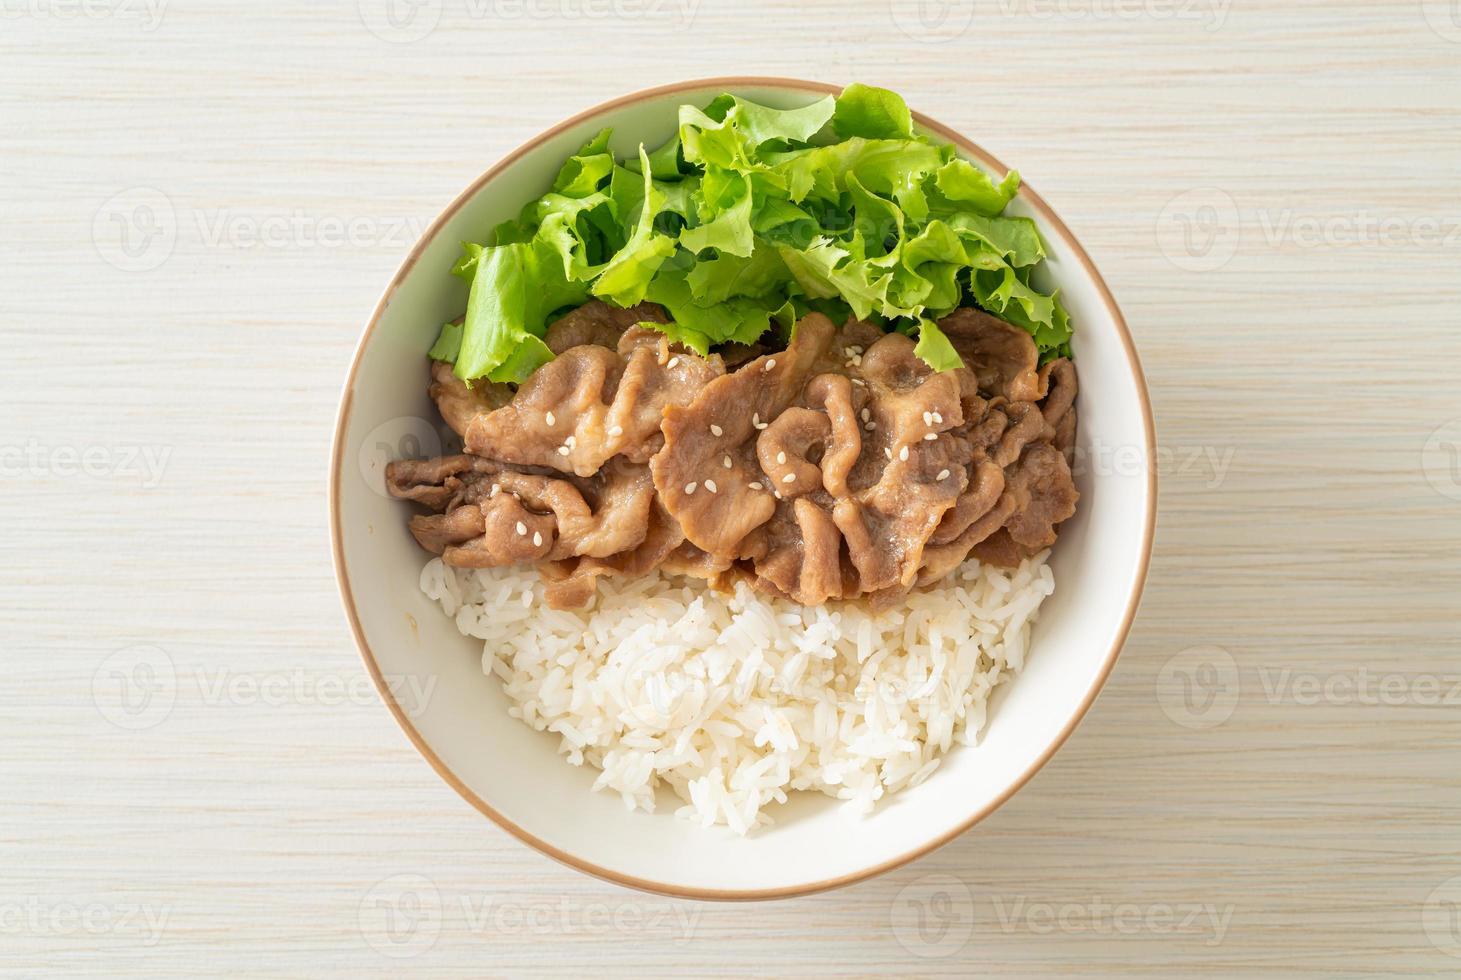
column 847, row 352
column 537, row 539
column 855, row 348
column 522, row 528
column 866, row 414
column 781, row 457
column 943, row 474
column 710, row 485
column 770, row 364
column 930, row 436
column 689, row 488
column 496, row 489
column 563, row 450
column 776, row 494
column 857, row 360
column 938, row 419
column 673, row 361
column 887, row 452
column 928, row 418
column 550, row 419
column 903, row 453
column 725, row 461
column 870, row 426
column 760, row 425
column 859, row 382
column 789, row 478
column 571, row 441
column 716, row 430
column 755, row 486
column 616, row 430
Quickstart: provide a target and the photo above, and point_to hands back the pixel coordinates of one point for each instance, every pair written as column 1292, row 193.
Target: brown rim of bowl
column 1048, row 219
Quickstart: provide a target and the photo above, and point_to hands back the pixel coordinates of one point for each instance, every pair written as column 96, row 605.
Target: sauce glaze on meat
column 841, row 466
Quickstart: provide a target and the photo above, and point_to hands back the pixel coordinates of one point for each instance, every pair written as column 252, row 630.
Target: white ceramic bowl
column 514, row 775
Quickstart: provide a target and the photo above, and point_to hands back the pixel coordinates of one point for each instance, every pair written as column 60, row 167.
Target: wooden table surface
column 200, row 204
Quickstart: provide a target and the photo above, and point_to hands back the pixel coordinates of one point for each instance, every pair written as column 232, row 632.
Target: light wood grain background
column 199, row 203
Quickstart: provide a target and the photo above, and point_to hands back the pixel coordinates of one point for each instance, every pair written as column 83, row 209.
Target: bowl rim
column 1045, row 215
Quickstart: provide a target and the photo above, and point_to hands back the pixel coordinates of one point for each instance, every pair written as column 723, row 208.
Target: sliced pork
column 839, row 466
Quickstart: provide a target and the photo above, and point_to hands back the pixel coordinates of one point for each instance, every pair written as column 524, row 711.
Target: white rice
column 733, row 701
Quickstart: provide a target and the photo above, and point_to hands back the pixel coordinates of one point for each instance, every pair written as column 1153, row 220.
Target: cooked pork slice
column 1044, row 496
column 719, row 505
column 511, row 534
column 437, row 483
column 437, row 532
column 557, row 418
column 1002, row 356
column 592, row 403
column 1058, row 386
column 888, row 523
column 574, row 582
column 656, row 376
column 941, row 559
column 803, row 558
column 840, row 466
column 598, row 323
column 978, row 498
column 999, row 549
column 459, row 402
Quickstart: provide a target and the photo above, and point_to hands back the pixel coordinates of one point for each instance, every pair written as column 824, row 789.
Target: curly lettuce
column 745, row 219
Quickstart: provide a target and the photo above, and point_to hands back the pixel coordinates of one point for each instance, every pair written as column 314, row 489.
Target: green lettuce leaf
column 626, row 276
column 934, row 348
column 960, row 183
column 514, row 288
column 749, row 217
column 448, row 342
column 873, row 113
